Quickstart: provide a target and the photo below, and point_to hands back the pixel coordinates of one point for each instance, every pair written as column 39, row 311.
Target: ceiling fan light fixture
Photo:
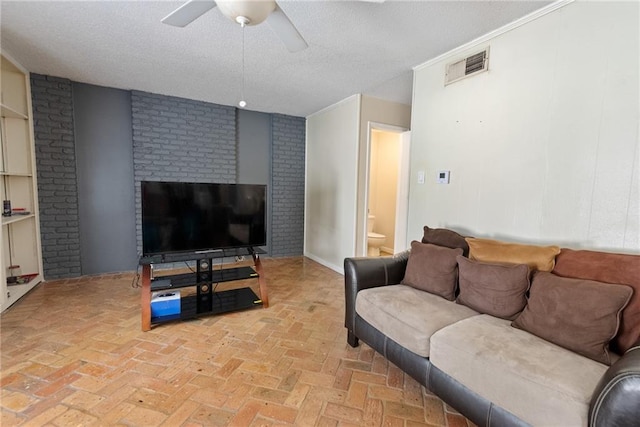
column 243, row 12
column 243, row 20
column 255, row 11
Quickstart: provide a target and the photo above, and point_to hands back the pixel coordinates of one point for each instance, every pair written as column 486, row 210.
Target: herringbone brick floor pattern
column 73, row 354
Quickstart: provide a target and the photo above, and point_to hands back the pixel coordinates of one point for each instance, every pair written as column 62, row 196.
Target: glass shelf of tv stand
column 193, row 256
column 220, row 302
column 175, row 281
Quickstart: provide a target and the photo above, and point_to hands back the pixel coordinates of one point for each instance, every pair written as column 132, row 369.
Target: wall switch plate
column 420, row 177
column 443, row 177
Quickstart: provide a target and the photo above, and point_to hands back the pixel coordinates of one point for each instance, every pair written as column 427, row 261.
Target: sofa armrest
column 362, row 273
column 616, row 399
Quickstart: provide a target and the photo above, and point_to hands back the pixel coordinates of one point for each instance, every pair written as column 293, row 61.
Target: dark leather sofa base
column 473, row 406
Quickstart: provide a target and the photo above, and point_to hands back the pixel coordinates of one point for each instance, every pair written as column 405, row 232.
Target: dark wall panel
column 254, row 155
column 104, row 147
column 287, row 188
column 52, row 102
column 254, row 147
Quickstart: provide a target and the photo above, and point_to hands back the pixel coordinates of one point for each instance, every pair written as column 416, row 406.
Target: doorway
column 387, row 190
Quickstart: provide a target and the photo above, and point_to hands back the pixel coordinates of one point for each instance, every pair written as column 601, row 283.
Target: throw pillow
column 609, row 268
column 498, row 290
column 433, row 269
column 580, row 315
column 537, row 257
column 445, row 237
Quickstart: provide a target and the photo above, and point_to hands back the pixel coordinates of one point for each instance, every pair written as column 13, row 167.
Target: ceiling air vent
column 468, row 66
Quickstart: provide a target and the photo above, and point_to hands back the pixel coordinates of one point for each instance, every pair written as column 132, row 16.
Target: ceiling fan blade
column 284, row 28
column 188, row 12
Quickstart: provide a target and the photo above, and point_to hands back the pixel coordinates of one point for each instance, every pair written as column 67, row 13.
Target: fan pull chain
column 242, row 102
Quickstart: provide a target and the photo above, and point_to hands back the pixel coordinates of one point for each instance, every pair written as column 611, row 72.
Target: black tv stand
column 205, row 301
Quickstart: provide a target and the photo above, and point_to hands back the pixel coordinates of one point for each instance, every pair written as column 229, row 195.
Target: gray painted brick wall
column 176, row 139
column 56, row 173
column 287, row 178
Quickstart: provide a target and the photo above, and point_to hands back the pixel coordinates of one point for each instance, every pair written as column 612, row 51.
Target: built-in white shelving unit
column 21, row 251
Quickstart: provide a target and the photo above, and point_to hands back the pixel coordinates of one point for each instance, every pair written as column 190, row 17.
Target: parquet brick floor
column 73, row 354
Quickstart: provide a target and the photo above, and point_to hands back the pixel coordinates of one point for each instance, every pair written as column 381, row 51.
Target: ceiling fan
column 243, row 12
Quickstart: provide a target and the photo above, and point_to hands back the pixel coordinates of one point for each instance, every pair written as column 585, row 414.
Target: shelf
column 193, row 256
column 18, row 174
column 20, row 233
column 9, row 112
column 206, row 300
column 221, row 302
column 189, row 279
column 6, row 220
column 23, row 279
column 17, row 291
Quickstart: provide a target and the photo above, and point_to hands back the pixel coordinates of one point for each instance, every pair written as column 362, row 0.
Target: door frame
column 402, row 204
column 400, row 242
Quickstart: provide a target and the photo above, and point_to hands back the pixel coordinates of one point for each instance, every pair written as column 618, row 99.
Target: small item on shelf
column 161, row 283
column 20, row 211
column 6, row 208
column 165, row 303
column 13, row 273
column 23, row 279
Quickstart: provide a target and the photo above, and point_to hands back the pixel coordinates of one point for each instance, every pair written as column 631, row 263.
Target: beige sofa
column 495, row 373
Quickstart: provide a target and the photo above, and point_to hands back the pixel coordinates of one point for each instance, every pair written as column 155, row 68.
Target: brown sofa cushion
column 433, row 269
column 537, row 257
column 498, row 290
column 580, row 315
column 609, row 268
column 445, row 237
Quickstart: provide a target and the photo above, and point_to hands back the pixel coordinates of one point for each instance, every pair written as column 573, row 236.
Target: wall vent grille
column 471, row 65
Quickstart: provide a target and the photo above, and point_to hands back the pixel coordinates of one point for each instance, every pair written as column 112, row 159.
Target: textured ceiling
column 354, row 47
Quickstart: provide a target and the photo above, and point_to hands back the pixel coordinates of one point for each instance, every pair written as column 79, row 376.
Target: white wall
column 543, row 147
column 335, row 199
column 331, row 182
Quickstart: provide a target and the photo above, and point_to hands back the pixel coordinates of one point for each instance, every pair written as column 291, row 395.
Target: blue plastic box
column 165, row 303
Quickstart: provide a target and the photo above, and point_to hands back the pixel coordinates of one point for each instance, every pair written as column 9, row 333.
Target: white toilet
column 374, row 240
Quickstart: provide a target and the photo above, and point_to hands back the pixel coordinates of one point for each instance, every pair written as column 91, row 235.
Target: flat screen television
column 199, row 217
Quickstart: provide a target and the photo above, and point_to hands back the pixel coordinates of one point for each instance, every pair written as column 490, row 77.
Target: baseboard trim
column 386, row 249
column 338, row 269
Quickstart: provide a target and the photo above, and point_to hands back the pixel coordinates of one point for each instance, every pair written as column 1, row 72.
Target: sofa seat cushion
column 407, row 315
column 539, row 382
